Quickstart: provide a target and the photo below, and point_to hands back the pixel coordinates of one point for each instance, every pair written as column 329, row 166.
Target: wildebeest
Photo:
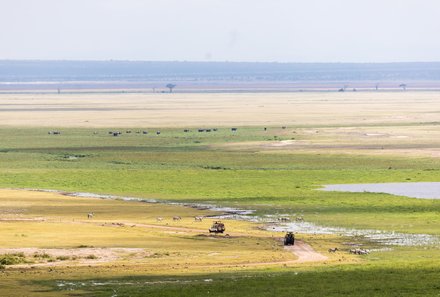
column 54, row 132
column 90, row 215
column 234, row 129
column 144, row 132
column 215, row 129
column 299, row 219
column 265, row 129
column 128, row 131
column 186, row 130
column 284, row 219
column 208, row 130
column 359, row 251
column 157, row 132
column 176, row 218
column 198, row 218
column 201, row 130
column 115, row 133
column 283, row 127
column 333, row 250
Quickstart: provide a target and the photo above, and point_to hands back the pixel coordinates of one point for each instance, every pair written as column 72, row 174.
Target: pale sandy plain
column 388, row 122
column 232, row 109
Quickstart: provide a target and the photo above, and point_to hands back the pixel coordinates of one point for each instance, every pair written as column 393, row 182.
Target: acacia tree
column 171, row 87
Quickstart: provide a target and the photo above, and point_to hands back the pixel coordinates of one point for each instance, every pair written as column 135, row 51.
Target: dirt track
column 305, row 253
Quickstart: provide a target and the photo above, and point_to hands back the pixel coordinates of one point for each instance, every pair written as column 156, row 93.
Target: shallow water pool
column 421, row 190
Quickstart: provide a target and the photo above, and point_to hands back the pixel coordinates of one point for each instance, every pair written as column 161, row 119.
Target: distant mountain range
column 25, row 71
column 132, row 76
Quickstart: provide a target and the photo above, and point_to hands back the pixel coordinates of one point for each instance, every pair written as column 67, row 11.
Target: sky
column 221, row 30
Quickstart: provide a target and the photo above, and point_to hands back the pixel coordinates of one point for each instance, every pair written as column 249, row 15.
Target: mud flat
column 379, row 236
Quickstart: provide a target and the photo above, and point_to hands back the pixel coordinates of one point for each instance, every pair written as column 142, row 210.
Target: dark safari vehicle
column 217, row 227
column 289, row 239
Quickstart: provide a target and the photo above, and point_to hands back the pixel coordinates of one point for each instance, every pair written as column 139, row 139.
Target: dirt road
column 305, row 253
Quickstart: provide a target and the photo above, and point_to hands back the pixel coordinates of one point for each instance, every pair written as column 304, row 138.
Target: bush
column 12, row 259
column 42, row 255
column 63, row 258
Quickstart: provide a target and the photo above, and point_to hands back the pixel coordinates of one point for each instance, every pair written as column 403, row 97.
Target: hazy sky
column 220, row 30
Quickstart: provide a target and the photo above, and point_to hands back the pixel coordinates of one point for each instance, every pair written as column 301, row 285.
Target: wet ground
column 272, row 222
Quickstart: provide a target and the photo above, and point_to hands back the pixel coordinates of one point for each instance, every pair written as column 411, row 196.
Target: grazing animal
column 363, row 252
column 234, row 129
column 186, row 130
column 176, row 218
column 144, row 132
column 283, row 219
column 359, row 252
column 198, row 219
column 201, row 130
column 159, row 219
column 158, row 133
column 299, row 219
column 215, row 129
column 333, row 250
column 90, row 215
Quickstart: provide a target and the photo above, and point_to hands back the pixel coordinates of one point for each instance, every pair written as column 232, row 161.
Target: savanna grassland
column 310, row 140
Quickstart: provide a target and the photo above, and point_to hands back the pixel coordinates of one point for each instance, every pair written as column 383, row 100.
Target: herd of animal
column 178, row 218
column 357, row 251
column 90, row 215
column 287, row 219
column 352, row 251
column 158, row 132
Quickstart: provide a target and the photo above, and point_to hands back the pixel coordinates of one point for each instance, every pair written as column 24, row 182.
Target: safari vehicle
column 289, row 239
column 217, row 227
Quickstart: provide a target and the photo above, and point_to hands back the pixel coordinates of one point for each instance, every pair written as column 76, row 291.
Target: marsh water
column 272, row 223
column 420, row 190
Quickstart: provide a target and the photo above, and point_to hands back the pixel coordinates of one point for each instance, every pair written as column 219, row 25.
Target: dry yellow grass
column 410, row 141
column 126, row 233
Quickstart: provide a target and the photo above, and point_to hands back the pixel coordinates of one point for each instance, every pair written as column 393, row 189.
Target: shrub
column 63, row 258
column 12, row 259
